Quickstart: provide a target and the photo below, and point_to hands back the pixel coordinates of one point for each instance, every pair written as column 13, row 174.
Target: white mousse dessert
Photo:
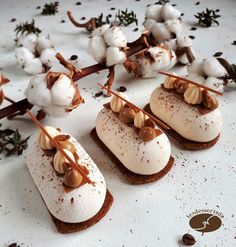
column 83, row 200
column 182, row 114
column 142, row 151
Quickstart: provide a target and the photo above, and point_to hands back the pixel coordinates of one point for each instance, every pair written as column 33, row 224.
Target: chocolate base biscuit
column 132, row 177
column 64, row 227
column 184, row 143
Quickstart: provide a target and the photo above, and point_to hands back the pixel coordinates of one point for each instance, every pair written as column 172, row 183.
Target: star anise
column 208, row 17
column 11, row 142
column 27, row 27
column 50, row 8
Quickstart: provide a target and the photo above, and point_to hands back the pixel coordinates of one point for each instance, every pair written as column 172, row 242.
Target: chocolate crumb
column 98, row 94
column 191, row 37
column 13, row 19
column 122, row 89
column 188, row 239
column 72, row 200
column 73, row 57
column 218, row 54
column 78, row 3
column 197, row 3
column 193, row 28
column 135, row 29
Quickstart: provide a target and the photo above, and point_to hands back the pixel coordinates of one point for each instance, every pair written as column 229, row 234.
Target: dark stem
column 91, row 23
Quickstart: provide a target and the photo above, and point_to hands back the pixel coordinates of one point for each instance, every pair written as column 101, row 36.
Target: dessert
column 71, row 185
column 189, row 110
column 137, row 146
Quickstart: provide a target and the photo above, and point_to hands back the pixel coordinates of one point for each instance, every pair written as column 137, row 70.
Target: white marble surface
column 147, row 215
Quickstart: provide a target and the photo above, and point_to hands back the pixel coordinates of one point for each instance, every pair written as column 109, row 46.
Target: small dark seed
column 174, row 4
column 112, row 8
column 197, row 3
column 38, row 7
column 13, row 19
column 217, row 10
column 234, row 42
column 182, row 14
column 83, row 18
column 78, row 3
column 191, row 37
column 218, row 54
column 122, row 89
column 109, row 16
column 135, row 29
column 73, row 57
column 193, row 28
column 62, row 21
column 98, row 94
column 188, row 239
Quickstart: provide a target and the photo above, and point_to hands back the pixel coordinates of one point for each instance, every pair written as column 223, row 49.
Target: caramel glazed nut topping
column 126, row 114
column 192, row 94
column 72, row 178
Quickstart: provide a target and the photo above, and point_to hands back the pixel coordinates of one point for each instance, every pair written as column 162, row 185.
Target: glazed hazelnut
column 181, row 87
column 209, row 102
column 73, row 178
column 147, row 134
column 127, row 115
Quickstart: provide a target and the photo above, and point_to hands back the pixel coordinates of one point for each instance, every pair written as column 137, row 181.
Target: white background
column 146, row 215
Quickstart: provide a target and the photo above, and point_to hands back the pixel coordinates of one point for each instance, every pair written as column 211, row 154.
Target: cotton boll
column 183, row 59
column 28, row 41
column 43, row 42
column 37, row 92
column 48, row 57
column 174, row 26
column 34, row 66
column 22, row 55
column 55, row 111
column 196, row 78
column 148, row 24
column 160, row 56
column 171, row 44
column 62, row 91
column 161, row 33
column 115, row 37
column 99, row 31
column 184, row 42
column 168, row 12
column 114, row 56
column 172, row 62
column 214, row 83
column 213, row 68
column 97, row 48
column 154, row 12
column 196, row 67
column 146, row 67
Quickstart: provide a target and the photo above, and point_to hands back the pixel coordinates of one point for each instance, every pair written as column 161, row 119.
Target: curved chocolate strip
column 20, row 106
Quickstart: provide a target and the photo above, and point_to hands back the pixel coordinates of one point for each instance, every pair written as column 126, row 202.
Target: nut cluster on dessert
column 142, row 123
column 72, row 177
column 192, row 94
